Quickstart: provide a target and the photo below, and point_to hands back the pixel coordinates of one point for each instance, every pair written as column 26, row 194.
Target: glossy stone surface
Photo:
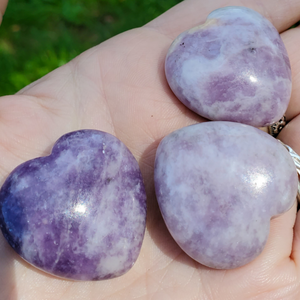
column 234, row 67
column 79, row 213
column 218, row 184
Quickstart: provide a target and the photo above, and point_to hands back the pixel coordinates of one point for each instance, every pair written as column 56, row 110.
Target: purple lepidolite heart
column 234, row 67
column 218, row 184
column 80, row 212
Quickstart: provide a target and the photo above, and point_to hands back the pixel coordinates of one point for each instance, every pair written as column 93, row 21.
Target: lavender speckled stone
column 218, row 184
column 80, row 212
column 234, row 67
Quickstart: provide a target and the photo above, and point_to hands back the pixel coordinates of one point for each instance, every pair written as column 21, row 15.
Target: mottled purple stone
column 234, row 67
column 218, row 184
column 80, row 212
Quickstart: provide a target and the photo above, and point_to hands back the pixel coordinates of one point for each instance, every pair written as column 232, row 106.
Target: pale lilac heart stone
column 234, row 67
column 80, row 212
column 218, row 184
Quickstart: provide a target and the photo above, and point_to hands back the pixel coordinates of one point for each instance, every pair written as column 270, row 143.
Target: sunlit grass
column 38, row 36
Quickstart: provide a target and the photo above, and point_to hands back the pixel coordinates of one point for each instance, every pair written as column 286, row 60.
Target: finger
column 3, row 4
column 290, row 135
column 189, row 13
column 296, row 244
column 292, row 43
column 279, row 244
column 275, row 263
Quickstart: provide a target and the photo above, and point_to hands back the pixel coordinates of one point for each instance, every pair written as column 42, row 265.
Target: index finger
column 189, row 13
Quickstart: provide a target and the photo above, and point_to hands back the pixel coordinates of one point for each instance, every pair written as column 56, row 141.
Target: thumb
column 3, row 4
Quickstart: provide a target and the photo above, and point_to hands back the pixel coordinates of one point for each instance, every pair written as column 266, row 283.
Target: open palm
column 119, row 87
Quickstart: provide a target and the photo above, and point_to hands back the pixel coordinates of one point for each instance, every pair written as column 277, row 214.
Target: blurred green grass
column 37, row 36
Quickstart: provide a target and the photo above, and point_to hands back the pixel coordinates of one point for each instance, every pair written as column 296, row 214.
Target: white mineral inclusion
column 234, row 67
column 218, row 184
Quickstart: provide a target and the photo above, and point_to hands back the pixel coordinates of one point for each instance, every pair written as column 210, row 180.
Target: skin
column 3, row 4
column 120, row 87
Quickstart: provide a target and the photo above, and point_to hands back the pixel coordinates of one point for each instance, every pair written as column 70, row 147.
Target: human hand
column 120, row 87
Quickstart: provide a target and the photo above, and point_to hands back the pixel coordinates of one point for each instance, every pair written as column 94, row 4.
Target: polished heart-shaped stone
column 218, row 184
column 80, row 212
column 234, row 67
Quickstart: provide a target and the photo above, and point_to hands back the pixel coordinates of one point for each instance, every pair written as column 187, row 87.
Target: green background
column 37, row 36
